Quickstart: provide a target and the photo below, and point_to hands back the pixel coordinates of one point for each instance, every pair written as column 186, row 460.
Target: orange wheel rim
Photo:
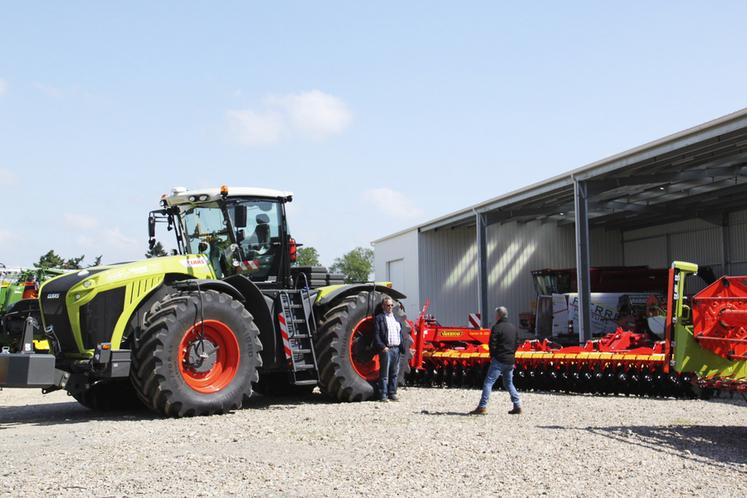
column 364, row 361
column 209, row 356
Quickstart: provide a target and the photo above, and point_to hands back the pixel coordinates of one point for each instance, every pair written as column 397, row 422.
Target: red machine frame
column 620, row 362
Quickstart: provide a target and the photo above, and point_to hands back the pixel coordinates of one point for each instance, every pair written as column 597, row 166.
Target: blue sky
column 378, row 116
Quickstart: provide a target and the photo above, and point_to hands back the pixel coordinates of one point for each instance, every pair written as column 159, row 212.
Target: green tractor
column 195, row 333
column 19, row 289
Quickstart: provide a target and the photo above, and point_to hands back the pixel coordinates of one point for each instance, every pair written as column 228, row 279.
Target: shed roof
column 696, row 172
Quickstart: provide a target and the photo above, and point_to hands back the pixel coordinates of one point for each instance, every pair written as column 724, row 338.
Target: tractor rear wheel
column 198, row 354
column 348, row 365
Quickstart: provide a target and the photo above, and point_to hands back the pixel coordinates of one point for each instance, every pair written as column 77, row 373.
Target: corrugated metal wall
column 738, row 243
column 514, row 250
column 693, row 240
column 448, row 262
column 402, row 249
column 448, row 273
column 697, row 240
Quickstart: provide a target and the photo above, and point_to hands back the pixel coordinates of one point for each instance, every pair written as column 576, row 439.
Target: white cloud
column 3, row 87
column 48, row 90
column 256, row 128
column 109, row 242
column 6, row 237
column 392, row 203
column 7, row 178
column 80, row 221
column 313, row 114
column 85, row 241
column 115, row 237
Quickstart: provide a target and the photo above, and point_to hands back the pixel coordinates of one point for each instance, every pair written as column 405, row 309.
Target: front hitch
column 27, row 368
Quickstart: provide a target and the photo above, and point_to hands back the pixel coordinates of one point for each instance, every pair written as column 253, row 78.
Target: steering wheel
column 256, row 249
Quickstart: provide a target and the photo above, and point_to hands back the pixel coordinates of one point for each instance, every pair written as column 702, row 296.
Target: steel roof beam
column 600, row 186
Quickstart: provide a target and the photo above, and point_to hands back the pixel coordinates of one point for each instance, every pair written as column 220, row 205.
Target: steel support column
column 481, row 227
column 581, row 203
column 725, row 245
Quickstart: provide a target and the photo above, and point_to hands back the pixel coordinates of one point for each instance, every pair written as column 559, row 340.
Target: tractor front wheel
column 108, row 396
column 198, row 355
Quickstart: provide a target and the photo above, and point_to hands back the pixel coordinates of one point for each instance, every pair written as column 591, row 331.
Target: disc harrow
column 703, row 353
column 459, row 357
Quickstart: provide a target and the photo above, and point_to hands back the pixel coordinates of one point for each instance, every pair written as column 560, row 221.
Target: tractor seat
column 262, row 230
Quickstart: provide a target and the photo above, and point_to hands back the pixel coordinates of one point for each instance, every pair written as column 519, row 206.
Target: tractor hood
column 104, row 276
column 95, row 304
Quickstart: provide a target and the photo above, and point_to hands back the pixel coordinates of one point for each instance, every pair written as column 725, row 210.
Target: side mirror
column 152, row 226
column 151, row 231
column 239, row 217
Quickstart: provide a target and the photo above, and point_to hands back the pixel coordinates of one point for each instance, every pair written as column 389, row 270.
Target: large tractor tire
column 198, row 354
column 348, row 365
column 109, row 395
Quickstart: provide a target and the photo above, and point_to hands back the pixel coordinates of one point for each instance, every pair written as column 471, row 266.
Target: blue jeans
column 496, row 370
column 389, row 361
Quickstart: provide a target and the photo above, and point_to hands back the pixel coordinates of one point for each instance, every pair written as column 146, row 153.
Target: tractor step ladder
column 297, row 331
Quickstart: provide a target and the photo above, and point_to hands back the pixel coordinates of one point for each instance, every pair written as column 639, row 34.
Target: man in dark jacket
column 504, row 340
column 389, row 344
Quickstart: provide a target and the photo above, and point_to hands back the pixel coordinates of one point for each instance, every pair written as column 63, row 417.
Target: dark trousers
column 389, row 361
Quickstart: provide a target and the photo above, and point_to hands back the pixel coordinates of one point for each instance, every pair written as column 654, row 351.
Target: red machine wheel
column 365, row 364
column 209, row 356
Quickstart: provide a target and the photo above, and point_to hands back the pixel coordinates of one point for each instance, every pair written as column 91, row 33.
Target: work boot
column 516, row 410
column 393, row 397
column 479, row 411
column 383, row 400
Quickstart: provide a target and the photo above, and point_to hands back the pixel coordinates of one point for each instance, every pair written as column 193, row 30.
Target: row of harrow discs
column 609, row 379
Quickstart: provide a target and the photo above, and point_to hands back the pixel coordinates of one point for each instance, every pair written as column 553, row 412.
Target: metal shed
column 679, row 197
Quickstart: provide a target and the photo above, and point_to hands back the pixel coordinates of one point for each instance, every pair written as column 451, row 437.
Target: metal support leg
column 26, row 344
column 482, row 269
column 581, row 200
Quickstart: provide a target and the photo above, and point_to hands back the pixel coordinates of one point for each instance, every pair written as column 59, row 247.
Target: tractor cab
column 239, row 230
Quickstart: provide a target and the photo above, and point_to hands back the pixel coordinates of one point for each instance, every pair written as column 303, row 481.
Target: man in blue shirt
column 389, row 344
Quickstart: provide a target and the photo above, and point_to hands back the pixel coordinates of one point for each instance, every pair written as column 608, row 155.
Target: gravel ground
column 563, row 445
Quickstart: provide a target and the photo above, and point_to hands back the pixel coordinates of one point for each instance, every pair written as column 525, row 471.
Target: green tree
column 53, row 260
column 308, row 256
column 97, row 260
column 156, row 252
column 356, row 265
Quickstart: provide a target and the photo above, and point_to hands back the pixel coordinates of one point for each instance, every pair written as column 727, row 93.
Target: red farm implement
column 705, row 348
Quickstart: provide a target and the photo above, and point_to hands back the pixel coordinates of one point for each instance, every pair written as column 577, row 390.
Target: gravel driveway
column 423, row 445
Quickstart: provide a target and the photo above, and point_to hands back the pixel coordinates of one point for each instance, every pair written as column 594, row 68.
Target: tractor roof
column 181, row 195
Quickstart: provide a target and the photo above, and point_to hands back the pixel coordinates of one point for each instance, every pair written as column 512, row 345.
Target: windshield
column 251, row 250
